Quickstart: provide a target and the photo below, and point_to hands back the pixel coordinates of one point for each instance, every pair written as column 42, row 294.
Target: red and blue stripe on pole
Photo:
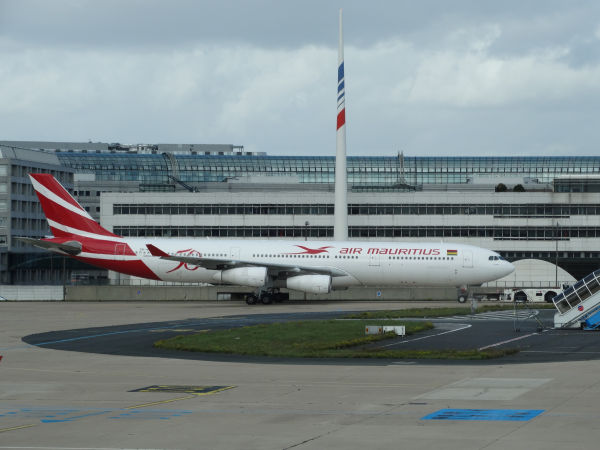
column 341, row 103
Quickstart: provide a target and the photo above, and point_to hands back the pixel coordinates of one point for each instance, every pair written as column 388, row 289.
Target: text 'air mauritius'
column 391, row 251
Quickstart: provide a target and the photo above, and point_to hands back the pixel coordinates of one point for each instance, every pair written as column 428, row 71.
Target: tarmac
column 97, row 394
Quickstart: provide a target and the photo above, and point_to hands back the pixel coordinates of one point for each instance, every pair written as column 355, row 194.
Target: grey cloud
column 427, row 77
column 276, row 23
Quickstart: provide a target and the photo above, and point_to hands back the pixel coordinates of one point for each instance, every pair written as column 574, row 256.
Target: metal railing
column 133, row 282
column 577, row 293
column 545, row 284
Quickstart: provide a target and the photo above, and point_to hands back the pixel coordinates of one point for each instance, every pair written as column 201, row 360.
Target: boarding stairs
column 578, row 306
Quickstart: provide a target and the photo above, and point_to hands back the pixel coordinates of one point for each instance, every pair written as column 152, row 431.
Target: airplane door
column 467, row 258
column 119, row 249
column 234, row 253
column 374, row 260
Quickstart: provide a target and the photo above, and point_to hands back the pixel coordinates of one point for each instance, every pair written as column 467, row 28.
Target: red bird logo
column 187, row 252
column 311, row 251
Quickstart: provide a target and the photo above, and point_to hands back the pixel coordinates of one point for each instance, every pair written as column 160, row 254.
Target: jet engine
column 245, row 276
column 312, row 284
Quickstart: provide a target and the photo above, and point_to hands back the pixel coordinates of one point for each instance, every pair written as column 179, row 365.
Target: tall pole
column 556, row 258
column 340, row 226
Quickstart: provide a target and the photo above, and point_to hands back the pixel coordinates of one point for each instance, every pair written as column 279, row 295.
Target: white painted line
column 427, row 337
column 75, row 448
column 43, row 190
column 506, row 342
column 560, row 353
column 78, row 232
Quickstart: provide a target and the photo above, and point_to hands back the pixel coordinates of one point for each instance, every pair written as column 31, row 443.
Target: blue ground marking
column 72, row 418
column 484, row 414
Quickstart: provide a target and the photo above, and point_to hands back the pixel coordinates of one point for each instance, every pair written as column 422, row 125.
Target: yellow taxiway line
column 2, row 430
column 161, row 402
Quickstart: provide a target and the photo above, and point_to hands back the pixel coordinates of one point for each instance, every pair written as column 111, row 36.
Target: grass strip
column 313, row 339
column 422, row 313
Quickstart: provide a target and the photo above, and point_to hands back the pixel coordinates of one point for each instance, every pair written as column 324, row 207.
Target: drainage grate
column 484, row 414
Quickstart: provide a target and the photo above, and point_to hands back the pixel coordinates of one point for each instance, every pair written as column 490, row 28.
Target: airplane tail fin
column 65, row 216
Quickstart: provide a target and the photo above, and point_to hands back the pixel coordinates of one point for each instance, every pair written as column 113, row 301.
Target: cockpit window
column 496, row 258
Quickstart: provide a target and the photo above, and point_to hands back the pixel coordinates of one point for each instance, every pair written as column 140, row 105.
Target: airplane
column 315, row 267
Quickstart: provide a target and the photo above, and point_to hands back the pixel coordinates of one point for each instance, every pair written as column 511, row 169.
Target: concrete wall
column 217, row 293
column 31, row 293
column 382, row 294
column 228, row 293
column 142, row 293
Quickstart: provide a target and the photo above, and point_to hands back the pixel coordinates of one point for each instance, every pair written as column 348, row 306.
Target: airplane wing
column 223, row 264
column 68, row 247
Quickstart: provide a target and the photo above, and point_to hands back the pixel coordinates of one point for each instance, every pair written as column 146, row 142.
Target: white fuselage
column 364, row 263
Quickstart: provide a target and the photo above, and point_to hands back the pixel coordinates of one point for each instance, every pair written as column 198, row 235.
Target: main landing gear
column 266, row 297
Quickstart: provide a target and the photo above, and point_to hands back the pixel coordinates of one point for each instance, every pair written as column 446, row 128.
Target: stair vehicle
column 578, row 306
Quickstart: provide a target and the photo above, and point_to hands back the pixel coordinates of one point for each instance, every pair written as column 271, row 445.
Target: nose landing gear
column 464, row 294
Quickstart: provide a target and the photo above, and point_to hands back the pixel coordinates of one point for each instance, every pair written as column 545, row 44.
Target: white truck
column 531, row 295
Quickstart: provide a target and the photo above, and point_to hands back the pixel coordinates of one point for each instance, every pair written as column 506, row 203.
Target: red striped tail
column 65, row 216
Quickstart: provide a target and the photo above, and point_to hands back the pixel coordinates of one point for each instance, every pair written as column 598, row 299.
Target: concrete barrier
column 229, row 293
column 381, row 294
column 32, row 293
column 148, row 293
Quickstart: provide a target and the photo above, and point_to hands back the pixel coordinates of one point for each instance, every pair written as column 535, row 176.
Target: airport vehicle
column 531, row 295
column 267, row 265
column 578, row 306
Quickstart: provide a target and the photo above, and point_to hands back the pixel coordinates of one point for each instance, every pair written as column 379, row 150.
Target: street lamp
column 306, row 224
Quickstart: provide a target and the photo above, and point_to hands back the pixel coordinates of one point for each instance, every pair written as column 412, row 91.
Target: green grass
column 422, row 313
column 313, row 339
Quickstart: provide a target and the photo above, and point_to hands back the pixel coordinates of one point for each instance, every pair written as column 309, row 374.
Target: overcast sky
column 427, row 78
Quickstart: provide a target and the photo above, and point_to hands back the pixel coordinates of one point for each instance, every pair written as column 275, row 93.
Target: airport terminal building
column 523, row 207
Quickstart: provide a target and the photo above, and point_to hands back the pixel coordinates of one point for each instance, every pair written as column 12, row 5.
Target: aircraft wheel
column 251, row 299
column 520, row 296
column 462, row 299
column 266, row 299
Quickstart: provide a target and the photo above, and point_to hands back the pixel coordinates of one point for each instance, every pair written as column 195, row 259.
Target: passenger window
column 573, row 299
column 594, row 286
column 583, row 292
column 563, row 306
